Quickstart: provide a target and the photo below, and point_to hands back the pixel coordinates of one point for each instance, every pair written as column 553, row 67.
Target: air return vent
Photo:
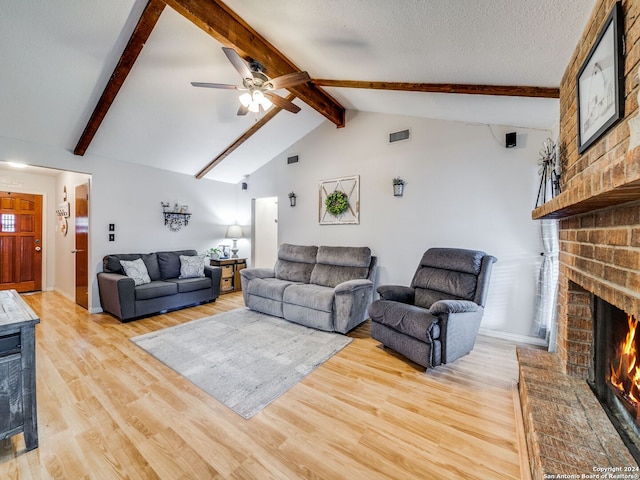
column 401, row 136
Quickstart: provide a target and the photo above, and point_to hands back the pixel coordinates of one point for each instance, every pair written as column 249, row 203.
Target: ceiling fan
column 257, row 86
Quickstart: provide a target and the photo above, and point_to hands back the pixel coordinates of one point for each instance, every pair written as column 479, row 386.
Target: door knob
column 38, row 249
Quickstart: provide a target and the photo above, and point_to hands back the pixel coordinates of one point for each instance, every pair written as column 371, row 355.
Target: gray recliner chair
column 436, row 319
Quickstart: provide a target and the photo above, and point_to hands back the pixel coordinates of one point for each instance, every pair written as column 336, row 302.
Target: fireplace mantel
column 602, row 184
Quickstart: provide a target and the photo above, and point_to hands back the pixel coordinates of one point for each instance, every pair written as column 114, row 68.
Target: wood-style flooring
column 108, row 410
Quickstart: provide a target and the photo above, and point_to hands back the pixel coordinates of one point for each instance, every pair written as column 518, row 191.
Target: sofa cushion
column 295, row 262
column 151, row 261
column 459, row 284
column 447, row 273
column 111, row 263
column 408, row 319
column 315, row 297
column 458, row 259
column 155, row 289
column 169, row 262
column 191, row 284
column 137, row 270
column 426, row 298
column 191, row 266
column 335, row 265
column 271, row 288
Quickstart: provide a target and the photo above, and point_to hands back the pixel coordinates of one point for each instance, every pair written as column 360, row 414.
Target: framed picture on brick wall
column 600, row 82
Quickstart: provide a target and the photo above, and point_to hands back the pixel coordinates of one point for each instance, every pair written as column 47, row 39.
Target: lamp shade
column 234, row 231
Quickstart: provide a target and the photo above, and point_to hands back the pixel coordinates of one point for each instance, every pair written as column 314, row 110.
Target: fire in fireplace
column 624, row 374
column 615, row 373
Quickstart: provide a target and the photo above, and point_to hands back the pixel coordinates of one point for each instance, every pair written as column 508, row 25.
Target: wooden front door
column 82, row 245
column 20, row 241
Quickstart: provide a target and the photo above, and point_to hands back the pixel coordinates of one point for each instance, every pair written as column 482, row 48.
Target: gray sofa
column 166, row 291
column 327, row 288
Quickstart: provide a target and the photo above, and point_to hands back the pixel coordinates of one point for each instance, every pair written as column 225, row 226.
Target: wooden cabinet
column 17, row 369
column 230, row 281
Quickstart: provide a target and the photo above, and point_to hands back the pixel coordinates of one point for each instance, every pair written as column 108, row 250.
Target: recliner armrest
column 351, row 286
column 397, row 293
column 453, row 306
column 251, row 273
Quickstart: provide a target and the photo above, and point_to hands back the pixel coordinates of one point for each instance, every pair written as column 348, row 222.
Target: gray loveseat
column 328, row 288
column 166, row 291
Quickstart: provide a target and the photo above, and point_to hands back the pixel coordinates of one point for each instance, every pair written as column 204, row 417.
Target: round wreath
column 337, row 203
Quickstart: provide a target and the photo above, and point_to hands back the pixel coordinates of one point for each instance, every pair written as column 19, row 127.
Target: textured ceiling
column 58, row 56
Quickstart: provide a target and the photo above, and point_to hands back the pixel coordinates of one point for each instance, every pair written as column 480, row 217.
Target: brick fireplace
column 599, row 216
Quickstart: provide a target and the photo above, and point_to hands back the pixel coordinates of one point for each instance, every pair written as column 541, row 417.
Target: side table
column 230, row 281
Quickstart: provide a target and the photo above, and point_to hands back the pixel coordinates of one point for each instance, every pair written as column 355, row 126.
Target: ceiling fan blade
column 288, row 80
column 243, row 110
column 218, row 85
column 238, row 63
column 283, row 103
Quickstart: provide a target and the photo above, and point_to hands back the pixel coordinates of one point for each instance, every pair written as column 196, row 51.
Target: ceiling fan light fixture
column 254, row 100
column 254, row 107
column 255, row 83
column 259, row 98
column 245, row 99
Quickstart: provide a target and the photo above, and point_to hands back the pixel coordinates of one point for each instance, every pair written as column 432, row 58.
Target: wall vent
column 293, row 159
column 401, row 136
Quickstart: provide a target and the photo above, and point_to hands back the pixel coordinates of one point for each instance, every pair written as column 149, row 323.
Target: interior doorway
column 82, row 244
column 264, row 228
column 20, row 241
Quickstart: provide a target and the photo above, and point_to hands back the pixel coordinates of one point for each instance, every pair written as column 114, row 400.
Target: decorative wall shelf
column 176, row 220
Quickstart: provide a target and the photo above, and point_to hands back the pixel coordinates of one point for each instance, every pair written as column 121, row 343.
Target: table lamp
column 234, row 232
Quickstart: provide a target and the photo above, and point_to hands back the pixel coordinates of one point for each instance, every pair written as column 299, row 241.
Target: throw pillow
column 137, row 270
column 191, row 266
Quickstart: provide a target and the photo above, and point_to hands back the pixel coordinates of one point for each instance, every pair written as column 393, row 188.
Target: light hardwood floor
column 108, row 410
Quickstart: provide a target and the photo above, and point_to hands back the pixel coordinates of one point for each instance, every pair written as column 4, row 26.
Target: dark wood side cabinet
column 230, row 281
column 18, row 369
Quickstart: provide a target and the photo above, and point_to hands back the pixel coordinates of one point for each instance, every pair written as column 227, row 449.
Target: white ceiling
column 58, row 56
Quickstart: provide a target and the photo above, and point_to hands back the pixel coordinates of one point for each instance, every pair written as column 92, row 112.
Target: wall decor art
column 63, row 213
column 600, row 82
column 339, row 201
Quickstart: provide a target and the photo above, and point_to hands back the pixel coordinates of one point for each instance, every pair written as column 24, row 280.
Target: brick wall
column 600, row 250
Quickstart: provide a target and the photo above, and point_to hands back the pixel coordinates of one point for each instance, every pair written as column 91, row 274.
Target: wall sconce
column 234, row 232
column 292, row 199
column 398, row 187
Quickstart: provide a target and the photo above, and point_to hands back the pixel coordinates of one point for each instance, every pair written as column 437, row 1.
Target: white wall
column 129, row 196
column 464, row 189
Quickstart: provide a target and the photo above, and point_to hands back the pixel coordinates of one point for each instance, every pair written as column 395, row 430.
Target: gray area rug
column 242, row 358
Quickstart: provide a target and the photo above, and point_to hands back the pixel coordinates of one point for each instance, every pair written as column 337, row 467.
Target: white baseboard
column 65, row 294
column 514, row 337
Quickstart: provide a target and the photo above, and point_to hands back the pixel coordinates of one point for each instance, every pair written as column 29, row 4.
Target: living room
column 463, row 189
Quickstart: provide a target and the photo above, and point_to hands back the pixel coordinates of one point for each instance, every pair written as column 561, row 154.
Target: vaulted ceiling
column 58, row 58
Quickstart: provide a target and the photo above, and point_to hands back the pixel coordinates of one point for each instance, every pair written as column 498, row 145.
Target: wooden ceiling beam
column 268, row 115
column 140, row 34
column 215, row 18
column 498, row 90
